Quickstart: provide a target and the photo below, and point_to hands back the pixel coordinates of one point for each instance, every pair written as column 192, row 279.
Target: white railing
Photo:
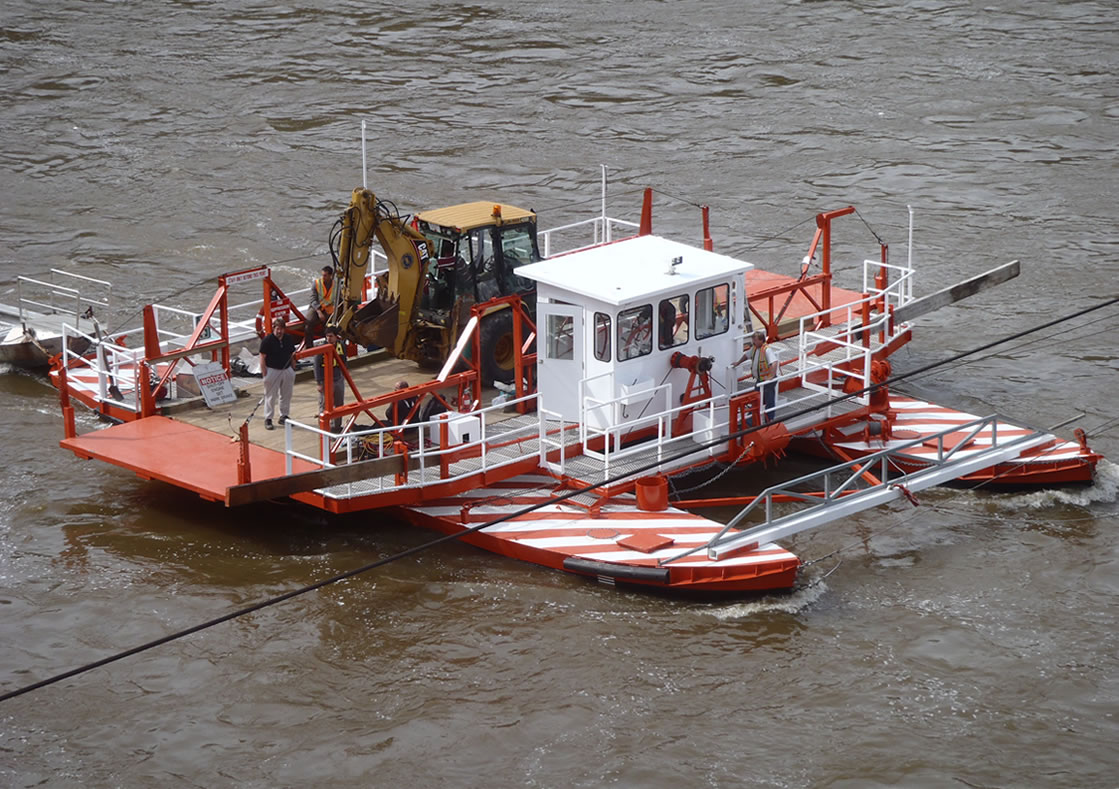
column 174, row 326
column 598, row 413
column 613, row 434
column 602, row 229
column 355, row 445
column 546, row 444
column 614, row 425
column 115, row 366
column 40, row 297
column 857, row 353
column 898, row 291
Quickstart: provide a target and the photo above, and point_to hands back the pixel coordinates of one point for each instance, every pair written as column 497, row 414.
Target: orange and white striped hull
column 1055, row 462
column 615, row 543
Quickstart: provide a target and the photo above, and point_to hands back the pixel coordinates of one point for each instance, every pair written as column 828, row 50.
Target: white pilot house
column 612, row 318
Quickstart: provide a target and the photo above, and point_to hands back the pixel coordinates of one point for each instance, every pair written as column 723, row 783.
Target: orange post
column 151, row 333
column 68, row 425
column 646, row 214
column 444, row 440
column 882, row 280
column 144, row 381
column 266, row 306
column 400, row 448
column 823, row 222
column 328, row 363
column 244, row 471
column 708, row 244
column 224, row 310
column 518, row 359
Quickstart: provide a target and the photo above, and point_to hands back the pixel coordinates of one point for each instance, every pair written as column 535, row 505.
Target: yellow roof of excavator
column 467, row 216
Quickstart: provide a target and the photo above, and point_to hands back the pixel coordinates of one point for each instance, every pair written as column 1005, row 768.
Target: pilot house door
column 560, row 364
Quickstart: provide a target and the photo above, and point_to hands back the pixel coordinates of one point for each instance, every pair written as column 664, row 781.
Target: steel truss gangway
column 838, row 495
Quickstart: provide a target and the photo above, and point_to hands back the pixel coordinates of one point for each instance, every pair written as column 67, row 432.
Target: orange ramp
column 178, row 453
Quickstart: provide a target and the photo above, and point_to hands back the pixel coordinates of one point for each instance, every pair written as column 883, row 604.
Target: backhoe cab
column 440, row 266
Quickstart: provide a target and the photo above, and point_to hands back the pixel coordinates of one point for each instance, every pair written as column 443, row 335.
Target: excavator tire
column 498, row 348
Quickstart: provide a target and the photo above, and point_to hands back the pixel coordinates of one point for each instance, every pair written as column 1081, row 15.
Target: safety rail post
column 541, row 448
column 476, row 357
column 102, row 369
column 823, row 222
column 244, row 472
column 882, row 279
column 518, row 360
column 68, row 425
column 708, row 244
column 266, row 305
column 151, row 332
column 444, row 441
column 144, row 384
column 224, row 323
column 732, row 416
column 400, row 448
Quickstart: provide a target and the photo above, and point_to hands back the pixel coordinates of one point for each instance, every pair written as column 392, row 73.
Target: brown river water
column 971, row 641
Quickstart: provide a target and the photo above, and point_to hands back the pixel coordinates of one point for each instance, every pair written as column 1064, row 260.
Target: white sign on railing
column 214, row 382
column 247, row 276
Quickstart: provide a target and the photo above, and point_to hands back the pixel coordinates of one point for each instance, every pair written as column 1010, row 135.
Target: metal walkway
column 842, row 496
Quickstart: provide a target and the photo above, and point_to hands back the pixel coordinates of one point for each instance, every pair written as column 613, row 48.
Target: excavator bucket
column 375, row 324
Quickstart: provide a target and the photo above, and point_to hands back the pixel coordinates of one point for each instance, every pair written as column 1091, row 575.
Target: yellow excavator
column 440, row 265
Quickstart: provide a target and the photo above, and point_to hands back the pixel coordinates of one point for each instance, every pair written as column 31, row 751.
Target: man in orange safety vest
column 763, row 368
column 322, row 305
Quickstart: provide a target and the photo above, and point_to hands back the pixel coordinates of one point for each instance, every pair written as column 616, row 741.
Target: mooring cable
column 556, row 499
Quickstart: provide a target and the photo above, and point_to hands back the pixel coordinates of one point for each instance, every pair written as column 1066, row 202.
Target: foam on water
column 791, row 603
column 1103, row 490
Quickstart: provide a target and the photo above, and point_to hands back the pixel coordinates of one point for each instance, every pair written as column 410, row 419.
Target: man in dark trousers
column 332, row 338
column 276, row 351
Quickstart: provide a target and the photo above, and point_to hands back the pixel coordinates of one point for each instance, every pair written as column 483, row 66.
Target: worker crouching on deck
column 763, row 368
column 276, row 352
column 321, row 307
column 397, row 412
column 332, row 338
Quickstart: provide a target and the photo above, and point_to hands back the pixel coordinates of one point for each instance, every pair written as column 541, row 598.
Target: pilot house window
column 635, row 332
column 672, row 322
column 602, row 336
column 712, row 311
column 560, row 337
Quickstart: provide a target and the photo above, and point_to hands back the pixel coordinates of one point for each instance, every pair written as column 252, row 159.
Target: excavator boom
column 386, row 320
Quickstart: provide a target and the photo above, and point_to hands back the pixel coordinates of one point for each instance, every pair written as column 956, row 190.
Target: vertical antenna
column 605, row 227
column 909, row 264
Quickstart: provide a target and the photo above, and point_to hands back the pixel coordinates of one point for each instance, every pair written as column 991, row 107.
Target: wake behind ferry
column 539, row 400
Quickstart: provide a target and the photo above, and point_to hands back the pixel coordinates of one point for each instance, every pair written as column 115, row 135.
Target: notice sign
column 214, row 382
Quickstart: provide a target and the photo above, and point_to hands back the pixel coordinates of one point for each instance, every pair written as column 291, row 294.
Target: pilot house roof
column 636, row 269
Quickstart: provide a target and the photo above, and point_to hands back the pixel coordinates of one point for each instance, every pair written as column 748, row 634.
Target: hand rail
column 429, row 458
